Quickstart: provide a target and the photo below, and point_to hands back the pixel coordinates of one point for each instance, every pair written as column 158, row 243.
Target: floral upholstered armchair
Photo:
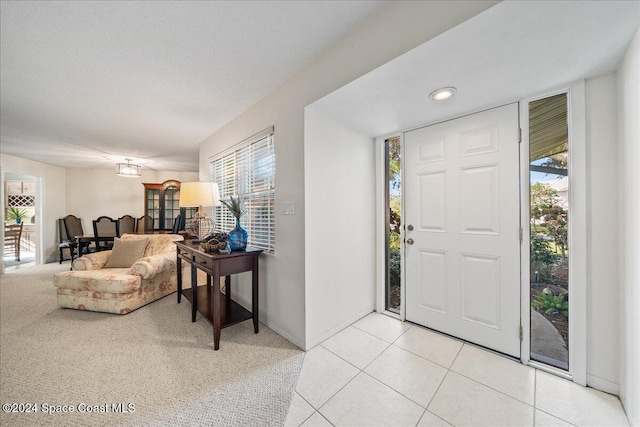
column 140, row 269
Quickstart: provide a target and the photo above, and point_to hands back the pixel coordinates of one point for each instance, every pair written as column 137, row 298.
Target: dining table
column 84, row 241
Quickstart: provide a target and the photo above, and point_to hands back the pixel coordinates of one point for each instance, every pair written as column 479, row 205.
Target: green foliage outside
column 395, row 211
column 551, row 304
column 549, row 235
column 541, row 250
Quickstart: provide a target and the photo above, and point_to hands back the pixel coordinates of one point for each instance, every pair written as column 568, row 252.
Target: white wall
column 95, row 192
column 629, row 229
column 339, row 178
column 397, row 28
column 602, row 228
column 53, row 197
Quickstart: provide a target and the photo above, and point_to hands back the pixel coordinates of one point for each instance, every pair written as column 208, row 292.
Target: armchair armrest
column 94, row 261
column 149, row 266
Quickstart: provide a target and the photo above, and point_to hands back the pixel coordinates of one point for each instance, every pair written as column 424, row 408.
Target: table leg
column 179, row 275
column 217, row 324
column 194, row 292
column 227, row 287
column 254, row 284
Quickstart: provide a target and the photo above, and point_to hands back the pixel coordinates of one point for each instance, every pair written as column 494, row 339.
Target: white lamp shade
column 194, row 194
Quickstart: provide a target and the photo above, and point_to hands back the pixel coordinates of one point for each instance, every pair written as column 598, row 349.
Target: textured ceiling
column 83, row 83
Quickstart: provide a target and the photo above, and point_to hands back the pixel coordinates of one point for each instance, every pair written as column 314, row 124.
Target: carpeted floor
column 153, row 358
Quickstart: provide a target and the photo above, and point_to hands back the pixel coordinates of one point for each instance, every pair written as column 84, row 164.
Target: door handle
column 409, row 241
column 410, row 227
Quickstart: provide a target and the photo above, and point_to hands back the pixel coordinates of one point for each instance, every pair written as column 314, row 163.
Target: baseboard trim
column 328, row 333
column 603, row 385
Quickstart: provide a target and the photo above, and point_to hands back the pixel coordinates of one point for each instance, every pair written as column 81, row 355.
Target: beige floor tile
column 510, row 377
column 430, row 420
column 355, row 346
column 382, row 326
column 430, row 345
column 464, row 402
column 367, row 402
column 316, row 420
column 576, row 404
column 545, row 420
column 410, row 375
column 323, row 374
column 299, row 411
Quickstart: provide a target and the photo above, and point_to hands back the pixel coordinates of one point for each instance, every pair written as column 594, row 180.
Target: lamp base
column 199, row 227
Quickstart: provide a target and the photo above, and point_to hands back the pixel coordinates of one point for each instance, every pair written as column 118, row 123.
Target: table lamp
column 199, row 194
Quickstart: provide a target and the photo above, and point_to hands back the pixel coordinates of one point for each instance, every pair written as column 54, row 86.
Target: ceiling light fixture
column 128, row 169
column 442, row 93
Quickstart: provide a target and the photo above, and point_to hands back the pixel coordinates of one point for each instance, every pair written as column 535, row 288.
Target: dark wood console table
column 206, row 299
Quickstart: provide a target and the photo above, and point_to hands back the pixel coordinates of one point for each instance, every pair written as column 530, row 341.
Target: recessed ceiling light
column 442, row 93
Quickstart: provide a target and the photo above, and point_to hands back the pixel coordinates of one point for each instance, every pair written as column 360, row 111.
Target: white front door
column 463, row 230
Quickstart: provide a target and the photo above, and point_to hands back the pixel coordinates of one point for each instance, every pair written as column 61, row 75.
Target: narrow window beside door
column 549, row 259
column 393, row 213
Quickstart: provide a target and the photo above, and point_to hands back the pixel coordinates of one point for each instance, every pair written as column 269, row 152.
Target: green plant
column 541, row 250
column 235, row 206
column 16, row 214
column 550, row 303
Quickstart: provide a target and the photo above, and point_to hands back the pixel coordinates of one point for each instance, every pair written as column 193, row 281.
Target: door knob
column 409, row 241
column 410, row 227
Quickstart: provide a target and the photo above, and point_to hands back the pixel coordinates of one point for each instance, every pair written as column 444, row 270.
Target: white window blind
column 248, row 170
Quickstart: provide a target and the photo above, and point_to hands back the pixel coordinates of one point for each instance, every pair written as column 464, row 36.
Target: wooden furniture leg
column 194, row 292
column 217, row 324
column 254, row 283
column 179, row 276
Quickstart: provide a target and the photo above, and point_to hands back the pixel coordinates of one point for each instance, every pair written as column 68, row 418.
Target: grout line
column 325, row 418
column 305, row 420
column 397, row 391
column 444, row 378
column 361, row 370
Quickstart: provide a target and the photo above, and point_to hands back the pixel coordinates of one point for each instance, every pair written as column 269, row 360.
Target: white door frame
column 39, row 212
column 577, row 234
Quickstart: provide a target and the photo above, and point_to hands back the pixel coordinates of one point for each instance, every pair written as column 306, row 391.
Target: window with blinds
column 248, row 170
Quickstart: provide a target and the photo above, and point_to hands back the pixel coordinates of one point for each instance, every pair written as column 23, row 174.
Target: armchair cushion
column 126, row 252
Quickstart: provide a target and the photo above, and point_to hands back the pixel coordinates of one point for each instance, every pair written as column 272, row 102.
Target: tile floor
column 383, row 372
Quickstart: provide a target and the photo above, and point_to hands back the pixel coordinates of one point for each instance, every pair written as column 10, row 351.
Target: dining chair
column 65, row 242
column 73, row 228
column 176, row 224
column 126, row 224
column 105, row 229
column 144, row 224
column 12, row 236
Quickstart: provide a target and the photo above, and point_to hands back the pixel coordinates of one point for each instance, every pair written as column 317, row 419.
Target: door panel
column 462, row 199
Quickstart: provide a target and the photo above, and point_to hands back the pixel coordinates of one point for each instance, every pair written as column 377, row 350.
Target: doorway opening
column 549, row 230
column 20, row 236
column 393, row 235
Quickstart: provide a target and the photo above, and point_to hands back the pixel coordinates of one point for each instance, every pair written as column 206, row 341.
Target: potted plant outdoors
column 238, row 236
column 16, row 214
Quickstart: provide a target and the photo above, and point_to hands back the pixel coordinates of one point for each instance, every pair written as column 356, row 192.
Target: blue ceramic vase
column 238, row 238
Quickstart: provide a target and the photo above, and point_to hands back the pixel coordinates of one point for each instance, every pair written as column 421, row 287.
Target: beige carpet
column 153, row 358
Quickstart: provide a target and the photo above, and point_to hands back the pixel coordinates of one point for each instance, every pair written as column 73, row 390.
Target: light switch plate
column 287, row 208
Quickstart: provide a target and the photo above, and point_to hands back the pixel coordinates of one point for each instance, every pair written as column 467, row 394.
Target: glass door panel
column 549, row 226
column 393, row 214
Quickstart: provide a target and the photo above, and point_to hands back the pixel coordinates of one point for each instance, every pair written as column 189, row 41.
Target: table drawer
column 203, row 261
